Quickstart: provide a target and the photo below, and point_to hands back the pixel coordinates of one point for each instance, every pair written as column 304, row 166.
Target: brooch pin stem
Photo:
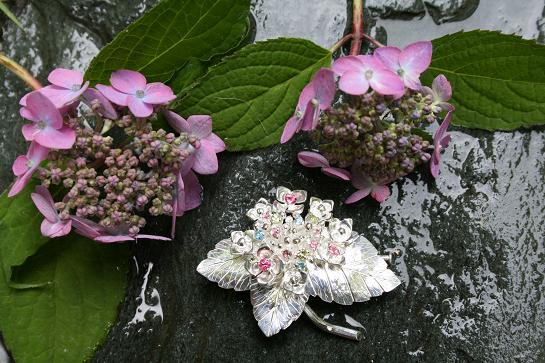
column 341, row 331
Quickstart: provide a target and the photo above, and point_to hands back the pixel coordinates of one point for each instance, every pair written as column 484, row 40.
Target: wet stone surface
column 473, row 260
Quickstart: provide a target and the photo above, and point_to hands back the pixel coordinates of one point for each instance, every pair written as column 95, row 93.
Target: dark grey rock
column 444, row 11
column 473, row 262
column 396, row 9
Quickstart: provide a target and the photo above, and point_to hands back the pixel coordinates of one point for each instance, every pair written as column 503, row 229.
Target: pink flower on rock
column 441, row 139
column 188, row 195
column 53, row 225
column 105, row 108
column 408, row 63
column 317, row 96
column 25, row 165
column 312, row 159
column 66, row 87
column 47, row 128
column 100, row 233
column 379, row 191
column 207, row 144
column 130, row 88
column 358, row 73
column 440, row 92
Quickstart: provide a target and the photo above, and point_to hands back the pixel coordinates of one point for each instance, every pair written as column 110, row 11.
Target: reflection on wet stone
column 444, row 11
column 473, row 262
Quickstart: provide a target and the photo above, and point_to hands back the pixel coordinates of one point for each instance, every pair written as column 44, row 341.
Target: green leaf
column 20, row 226
column 497, row 80
column 66, row 319
column 4, row 8
column 186, row 76
column 174, row 31
column 252, row 93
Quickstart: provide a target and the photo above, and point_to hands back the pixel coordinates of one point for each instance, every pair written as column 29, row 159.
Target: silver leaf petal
column 226, row 269
column 275, row 308
column 362, row 274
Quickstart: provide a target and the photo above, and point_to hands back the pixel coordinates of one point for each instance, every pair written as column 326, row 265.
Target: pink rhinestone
column 264, row 264
column 286, row 253
column 275, row 232
column 290, row 198
column 333, row 250
column 313, row 244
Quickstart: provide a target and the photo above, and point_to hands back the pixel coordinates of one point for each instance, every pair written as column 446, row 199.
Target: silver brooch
column 287, row 257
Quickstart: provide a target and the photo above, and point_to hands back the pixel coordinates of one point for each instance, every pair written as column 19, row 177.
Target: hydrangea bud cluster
column 106, row 162
column 380, row 132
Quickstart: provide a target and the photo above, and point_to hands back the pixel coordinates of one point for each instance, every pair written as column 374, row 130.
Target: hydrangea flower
column 25, row 165
column 96, row 100
column 441, row 139
column 379, row 191
column 312, row 159
column 207, row 144
column 408, row 63
column 99, row 233
column 130, row 88
column 53, row 225
column 315, row 97
column 440, row 92
column 358, row 73
column 47, row 128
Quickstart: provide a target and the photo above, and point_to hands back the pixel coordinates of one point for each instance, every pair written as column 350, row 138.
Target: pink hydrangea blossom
column 105, row 108
column 358, row 73
column 100, row 233
column 317, row 96
column 53, row 225
column 66, row 87
column 25, row 165
column 206, row 143
column 47, row 127
column 441, row 139
column 379, row 191
column 408, row 63
column 130, row 88
column 313, row 159
column 440, row 92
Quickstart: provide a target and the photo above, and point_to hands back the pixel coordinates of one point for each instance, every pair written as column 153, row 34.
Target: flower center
column 29, row 163
column 400, row 72
column 41, row 124
column 315, row 102
column 333, row 250
column 264, row 264
column 290, row 198
column 139, row 94
column 368, row 74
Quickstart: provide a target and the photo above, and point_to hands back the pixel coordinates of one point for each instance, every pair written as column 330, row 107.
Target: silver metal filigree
column 287, row 257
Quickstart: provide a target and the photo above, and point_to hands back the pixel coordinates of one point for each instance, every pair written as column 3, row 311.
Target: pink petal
column 307, row 94
column 106, row 109
column 86, row 227
column 113, row 239
column 347, row 64
column 20, row 183
column 20, row 165
column 139, row 108
column 445, row 141
column 353, row 83
column 337, row 173
column 206, row 161
column 358, row 195
column 389, row 56
column 158, row 93
column 324, row 87
column 65, row 78
column 113, row 95
column 312, row 159
column 289, row 130
column 55, row 229
column 380, row 193
column 62, row 139
column 359, row 180
column 310, row 118
column 434, row 165
column 176, row 121
column 416, row 57
column 441, row 87
column 128, row 81
column 37, row 153
column 412, row 81
column 386, row 82
column 200, row 126
column 214, row 142
column 44, row 110
column 30, row 131
column 152, row 236
column 193, row 191
column 45, row 206
column 60, row 96
column 25, row 113
column 439, row 134
column 180, row 197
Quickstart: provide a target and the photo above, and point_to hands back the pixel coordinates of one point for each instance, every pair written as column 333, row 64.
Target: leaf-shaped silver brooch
column 287, row 257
